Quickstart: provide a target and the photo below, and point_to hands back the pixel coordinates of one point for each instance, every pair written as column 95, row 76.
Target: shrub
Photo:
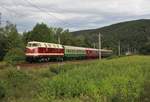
column 2, row 90
column 14, row 55
column 117, row 80
column 19, row 85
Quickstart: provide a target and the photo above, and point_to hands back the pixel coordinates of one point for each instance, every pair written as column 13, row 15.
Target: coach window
column 68, row 51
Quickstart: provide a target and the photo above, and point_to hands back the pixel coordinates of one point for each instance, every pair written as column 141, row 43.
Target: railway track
column 35, row 65
column 46, row 64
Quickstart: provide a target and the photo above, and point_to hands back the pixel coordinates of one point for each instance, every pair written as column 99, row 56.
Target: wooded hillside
column 133, row 36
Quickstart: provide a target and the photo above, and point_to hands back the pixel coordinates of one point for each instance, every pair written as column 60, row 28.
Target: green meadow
column 124, row 79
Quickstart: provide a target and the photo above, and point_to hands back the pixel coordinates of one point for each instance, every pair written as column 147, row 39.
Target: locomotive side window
column 57, row 46
column 45, row 45
column 33, row 45
column 49, row 45
column 53, row 46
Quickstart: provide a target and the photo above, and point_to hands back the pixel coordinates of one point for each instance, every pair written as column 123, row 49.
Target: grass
column 124, row 79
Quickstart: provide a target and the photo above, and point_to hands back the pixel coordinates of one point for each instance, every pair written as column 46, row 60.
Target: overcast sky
column 72, row 14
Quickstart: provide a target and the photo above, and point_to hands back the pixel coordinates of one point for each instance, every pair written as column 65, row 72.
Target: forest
column 133, row 36
column 12, row 43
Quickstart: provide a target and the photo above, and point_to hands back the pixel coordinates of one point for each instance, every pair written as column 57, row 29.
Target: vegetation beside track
column 123, row 79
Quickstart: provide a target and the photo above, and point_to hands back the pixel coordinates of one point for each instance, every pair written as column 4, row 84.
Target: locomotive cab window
column 33, row 45
column 29, row 45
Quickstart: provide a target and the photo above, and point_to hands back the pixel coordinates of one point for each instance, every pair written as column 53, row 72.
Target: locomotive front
column 42, row 52
column 32, row 51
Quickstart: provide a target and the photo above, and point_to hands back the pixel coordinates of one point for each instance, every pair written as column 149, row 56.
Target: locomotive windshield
column 33, row 45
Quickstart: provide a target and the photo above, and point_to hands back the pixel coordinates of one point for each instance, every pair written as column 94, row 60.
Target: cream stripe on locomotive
column 40, row 54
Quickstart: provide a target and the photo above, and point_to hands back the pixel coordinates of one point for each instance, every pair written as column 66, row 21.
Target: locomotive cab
column 32, row 51
column 32, row 47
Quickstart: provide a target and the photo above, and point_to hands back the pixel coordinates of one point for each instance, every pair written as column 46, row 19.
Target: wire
column 12, row 11
column 43, row 10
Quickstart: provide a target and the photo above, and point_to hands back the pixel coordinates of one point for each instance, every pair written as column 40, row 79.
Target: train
column 43, row 51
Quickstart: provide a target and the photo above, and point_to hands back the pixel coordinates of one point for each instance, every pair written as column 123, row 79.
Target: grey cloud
column 74, row 15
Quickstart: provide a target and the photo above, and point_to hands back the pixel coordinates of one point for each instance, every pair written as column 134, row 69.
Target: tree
column 66, row 38
column 40, row 32
column 14, row 38
column 10, row 40
column 3, row 43
column 79, row 41
column 57, row 33
column 145, row 49
column 132, row 35
column 14, row 55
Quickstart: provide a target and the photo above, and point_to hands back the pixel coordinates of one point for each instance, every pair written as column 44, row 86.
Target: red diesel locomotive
column 43, row 51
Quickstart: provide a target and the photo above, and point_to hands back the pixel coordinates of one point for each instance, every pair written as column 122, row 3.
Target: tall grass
column 116, row 80
column 120, row 79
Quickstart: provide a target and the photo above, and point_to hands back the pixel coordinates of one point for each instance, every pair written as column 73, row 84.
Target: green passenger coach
column 71, row 52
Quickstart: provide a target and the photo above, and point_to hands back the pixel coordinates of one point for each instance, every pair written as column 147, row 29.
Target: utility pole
column 119, row 48
column 58, row 39
column 100, row 53
column 94, row 45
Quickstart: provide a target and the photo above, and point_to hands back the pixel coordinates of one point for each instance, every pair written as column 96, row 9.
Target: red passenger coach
column 91, row 53
column 38, row 51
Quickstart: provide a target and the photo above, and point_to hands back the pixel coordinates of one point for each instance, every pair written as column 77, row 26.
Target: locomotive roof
column 74, row 47
column 42, row 42
column 48, row 45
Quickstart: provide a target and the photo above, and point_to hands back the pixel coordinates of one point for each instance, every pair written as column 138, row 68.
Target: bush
column 19, row 85
column 2, row 91
column 14, row 55
column 117, row 80
column 124, row 79
column 145, row 49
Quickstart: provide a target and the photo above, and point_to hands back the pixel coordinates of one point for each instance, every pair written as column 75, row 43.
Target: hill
column 132, row 35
